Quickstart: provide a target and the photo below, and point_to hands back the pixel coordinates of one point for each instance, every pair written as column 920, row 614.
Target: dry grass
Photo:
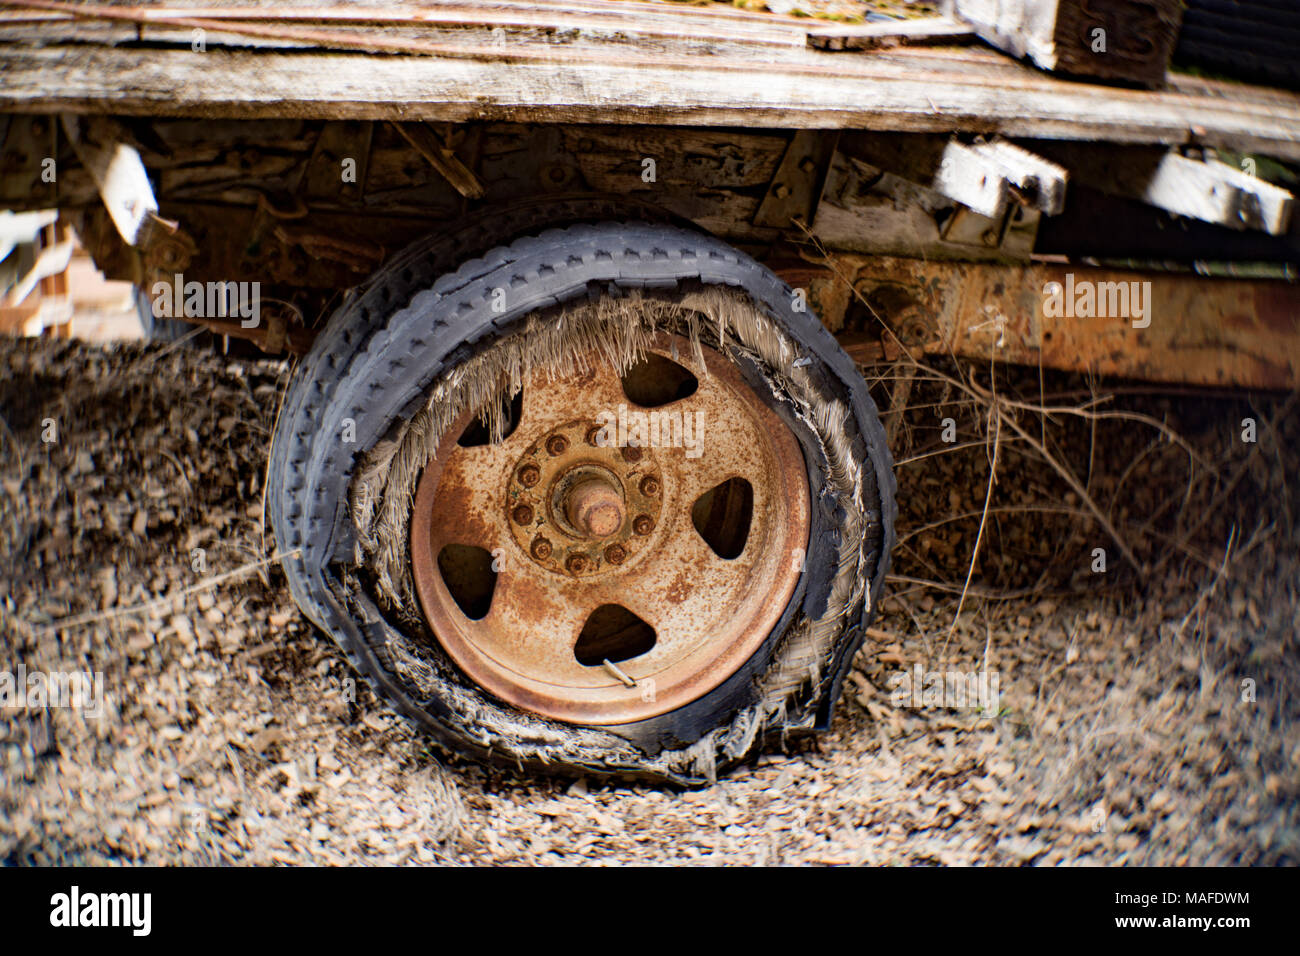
column 1141, row 713
column 1121, row 737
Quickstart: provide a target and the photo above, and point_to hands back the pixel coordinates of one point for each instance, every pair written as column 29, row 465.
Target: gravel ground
column 1146, row 714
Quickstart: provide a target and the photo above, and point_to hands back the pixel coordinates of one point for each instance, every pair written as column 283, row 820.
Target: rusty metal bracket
column 796, row 187
column 357, row 255
column 966, row 227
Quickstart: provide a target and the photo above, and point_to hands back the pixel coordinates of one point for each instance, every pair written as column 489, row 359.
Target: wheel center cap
column 595, row 507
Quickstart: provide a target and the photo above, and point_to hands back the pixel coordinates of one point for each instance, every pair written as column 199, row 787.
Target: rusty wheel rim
column 576, row 522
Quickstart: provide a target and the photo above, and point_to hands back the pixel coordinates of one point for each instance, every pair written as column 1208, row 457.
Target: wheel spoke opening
column 613, row 633
column 479, row 431
column 657, row 380
column 722, row 516
column 470, row 580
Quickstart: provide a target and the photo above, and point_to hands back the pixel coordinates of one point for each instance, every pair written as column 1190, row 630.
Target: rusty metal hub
column 575, row 503
column 595, row 508
column 580, row 518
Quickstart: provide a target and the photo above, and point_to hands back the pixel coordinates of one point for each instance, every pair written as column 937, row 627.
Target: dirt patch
column 1144, row 714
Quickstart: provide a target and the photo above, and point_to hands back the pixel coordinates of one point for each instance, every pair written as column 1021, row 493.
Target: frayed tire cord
column 364, row 369
column 346, row 336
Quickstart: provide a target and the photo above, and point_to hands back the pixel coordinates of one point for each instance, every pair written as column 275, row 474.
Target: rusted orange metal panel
column 1155, row 326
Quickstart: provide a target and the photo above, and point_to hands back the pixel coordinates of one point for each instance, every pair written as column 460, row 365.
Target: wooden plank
column 56, row 304
column 917, row 90
column 866, row 210
column 104, row 148
column 1033, row 181
column 929, row 31
column 1123, row 40
column 610, row 157
column 986, row 177
column 51, row 261
column 417, row 34
column 408, row 11
column 16, row 319
column 654, row 10
column 1201, row 189
column 606, row 47
column 22, row 227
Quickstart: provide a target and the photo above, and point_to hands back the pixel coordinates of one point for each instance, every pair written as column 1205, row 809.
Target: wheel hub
column 595, row 508
column 579, row 508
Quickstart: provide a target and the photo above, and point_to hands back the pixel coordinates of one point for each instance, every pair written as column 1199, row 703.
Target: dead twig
column 93, row 617
column 996, row 416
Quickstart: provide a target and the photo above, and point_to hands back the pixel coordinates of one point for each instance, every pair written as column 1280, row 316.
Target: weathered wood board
column 1123, row 40
column 934, row 31
column 721, row 71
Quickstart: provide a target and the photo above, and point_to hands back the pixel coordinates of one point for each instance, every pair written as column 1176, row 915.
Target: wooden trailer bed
column 582, row 61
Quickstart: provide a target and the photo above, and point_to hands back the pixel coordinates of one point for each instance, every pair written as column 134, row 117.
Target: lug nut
column 541, row 549
column 522, row 514
column 643, row 524
column 593, row 436
column 557, row 444
column 529, row 475
column 615, row 554
column 576, row 563
column 631, row 453
column 649, row 486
